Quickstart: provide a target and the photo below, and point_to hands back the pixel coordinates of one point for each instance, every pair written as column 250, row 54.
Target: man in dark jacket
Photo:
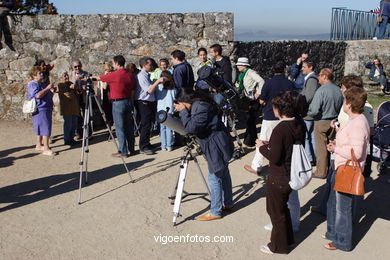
column 297, row 74
column 272, row 87
column 5, row 7
column 200, row 118
column 222, row 63
column 183, row 75
column 385, row 14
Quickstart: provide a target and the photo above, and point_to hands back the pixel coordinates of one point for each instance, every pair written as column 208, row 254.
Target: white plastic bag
column 29, row 106
column 301, row 170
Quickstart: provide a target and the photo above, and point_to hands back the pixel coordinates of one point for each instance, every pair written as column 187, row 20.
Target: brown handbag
column 349, row 178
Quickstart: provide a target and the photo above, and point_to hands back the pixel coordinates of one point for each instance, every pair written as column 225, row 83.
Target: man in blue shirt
column 146, row 100
column 297, row 74
column 272, row 87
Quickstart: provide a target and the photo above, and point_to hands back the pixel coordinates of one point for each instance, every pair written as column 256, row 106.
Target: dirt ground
column 41, row 219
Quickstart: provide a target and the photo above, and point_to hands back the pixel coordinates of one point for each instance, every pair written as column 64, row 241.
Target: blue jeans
column 309, row 141
column 382, row 27
column 382, row 80
column 166, row 136
column 221, row 190
column 124, row 125
column 295, row 209
column 70, row 126
column 339, row 218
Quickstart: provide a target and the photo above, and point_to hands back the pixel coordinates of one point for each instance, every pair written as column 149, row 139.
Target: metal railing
column 350, row 24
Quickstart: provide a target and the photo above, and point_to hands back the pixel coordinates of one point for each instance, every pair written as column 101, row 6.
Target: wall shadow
column 24, row 193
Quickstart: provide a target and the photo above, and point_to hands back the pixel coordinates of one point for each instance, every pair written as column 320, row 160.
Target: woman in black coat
column 199, row 116
column 279, row 152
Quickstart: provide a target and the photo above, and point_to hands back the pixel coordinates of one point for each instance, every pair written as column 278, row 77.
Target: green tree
column 35, row 7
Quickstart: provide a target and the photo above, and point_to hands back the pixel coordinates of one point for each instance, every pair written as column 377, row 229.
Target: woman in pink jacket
column 355, row 134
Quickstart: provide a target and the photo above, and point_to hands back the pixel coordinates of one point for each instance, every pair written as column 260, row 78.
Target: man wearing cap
column 250, row 84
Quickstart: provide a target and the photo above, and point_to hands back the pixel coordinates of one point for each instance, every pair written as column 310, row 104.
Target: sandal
column 330, row 246
column 39, row 149
column 48, row 153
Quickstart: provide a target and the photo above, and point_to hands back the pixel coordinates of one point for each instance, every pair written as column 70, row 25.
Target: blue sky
column 272, row 16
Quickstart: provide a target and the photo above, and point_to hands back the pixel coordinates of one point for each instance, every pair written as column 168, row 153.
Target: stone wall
column 264, row 54
column 360, row 52
column 95, row 39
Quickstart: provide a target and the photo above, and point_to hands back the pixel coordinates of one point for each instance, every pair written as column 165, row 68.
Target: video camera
column 86, row 80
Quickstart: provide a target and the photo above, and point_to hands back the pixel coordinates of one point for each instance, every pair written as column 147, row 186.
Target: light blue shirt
column 165, row 98
column 143, row 84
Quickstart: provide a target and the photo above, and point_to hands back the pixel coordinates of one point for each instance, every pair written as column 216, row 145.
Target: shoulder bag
column 349, row 178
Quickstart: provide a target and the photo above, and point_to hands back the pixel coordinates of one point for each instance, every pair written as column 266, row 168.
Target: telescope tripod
column 85, row 143
column 178, row 191
column 228, row 118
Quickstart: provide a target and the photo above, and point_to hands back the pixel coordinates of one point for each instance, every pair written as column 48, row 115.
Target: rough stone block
column 45, row 34
column 22, row 64
column 195, row 18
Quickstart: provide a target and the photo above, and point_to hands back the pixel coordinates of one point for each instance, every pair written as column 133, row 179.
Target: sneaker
column 265, row 249
column 147, row 151
column 169, row 149
column 268, row 227
column 375, row 38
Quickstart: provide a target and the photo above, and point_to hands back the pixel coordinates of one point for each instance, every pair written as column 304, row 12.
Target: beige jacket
column 253, row 83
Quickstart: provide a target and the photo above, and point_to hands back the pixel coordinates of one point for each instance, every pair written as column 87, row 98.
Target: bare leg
column 46, row 143
column 39, row 145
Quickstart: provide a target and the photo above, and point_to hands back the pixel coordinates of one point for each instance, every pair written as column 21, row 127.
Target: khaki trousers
column 322, row 130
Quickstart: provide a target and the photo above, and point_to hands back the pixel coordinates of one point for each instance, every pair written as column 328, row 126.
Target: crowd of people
column 297, row 106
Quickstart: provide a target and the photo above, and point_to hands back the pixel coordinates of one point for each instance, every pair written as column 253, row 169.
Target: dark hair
column 352, row 81
column 356, row 97
column 178, row 54
column 305, row 52
column 279, row 67
column 202, row 49
column 286, row 103
column 170, row 83
column 165, row 60
column 188, row 95
column 120, row 60
column 39, row 62
column 309, row 64
column 217, row 48
column 153, row 63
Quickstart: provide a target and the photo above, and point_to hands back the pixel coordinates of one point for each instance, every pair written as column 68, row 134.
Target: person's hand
column 72, row 86
column 257, row 96
column 162, row 80
column 179, row 107
column 332, row 124
column 331, row 146
column 237, row 84
column 299, row 60
column 259, row 143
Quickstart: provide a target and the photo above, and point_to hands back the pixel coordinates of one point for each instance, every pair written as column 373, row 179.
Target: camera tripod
column 86, row 135
column 228, row 118
column 178, row 191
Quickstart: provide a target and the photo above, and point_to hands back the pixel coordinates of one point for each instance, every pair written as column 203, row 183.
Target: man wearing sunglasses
column 76, row 77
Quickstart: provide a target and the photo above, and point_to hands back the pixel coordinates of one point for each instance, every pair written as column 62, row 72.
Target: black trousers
column 251, row 131
column 146, row 110
column 278, row 192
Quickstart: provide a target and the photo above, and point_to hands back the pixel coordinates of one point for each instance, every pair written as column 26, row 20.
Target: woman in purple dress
column 42, row 117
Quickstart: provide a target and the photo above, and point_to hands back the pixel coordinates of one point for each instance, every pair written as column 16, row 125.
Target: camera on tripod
column 217, row 82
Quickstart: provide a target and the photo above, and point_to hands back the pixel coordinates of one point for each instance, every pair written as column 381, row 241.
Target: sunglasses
column 78, row 66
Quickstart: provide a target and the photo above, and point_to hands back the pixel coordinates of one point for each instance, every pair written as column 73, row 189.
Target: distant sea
column 265, row 36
